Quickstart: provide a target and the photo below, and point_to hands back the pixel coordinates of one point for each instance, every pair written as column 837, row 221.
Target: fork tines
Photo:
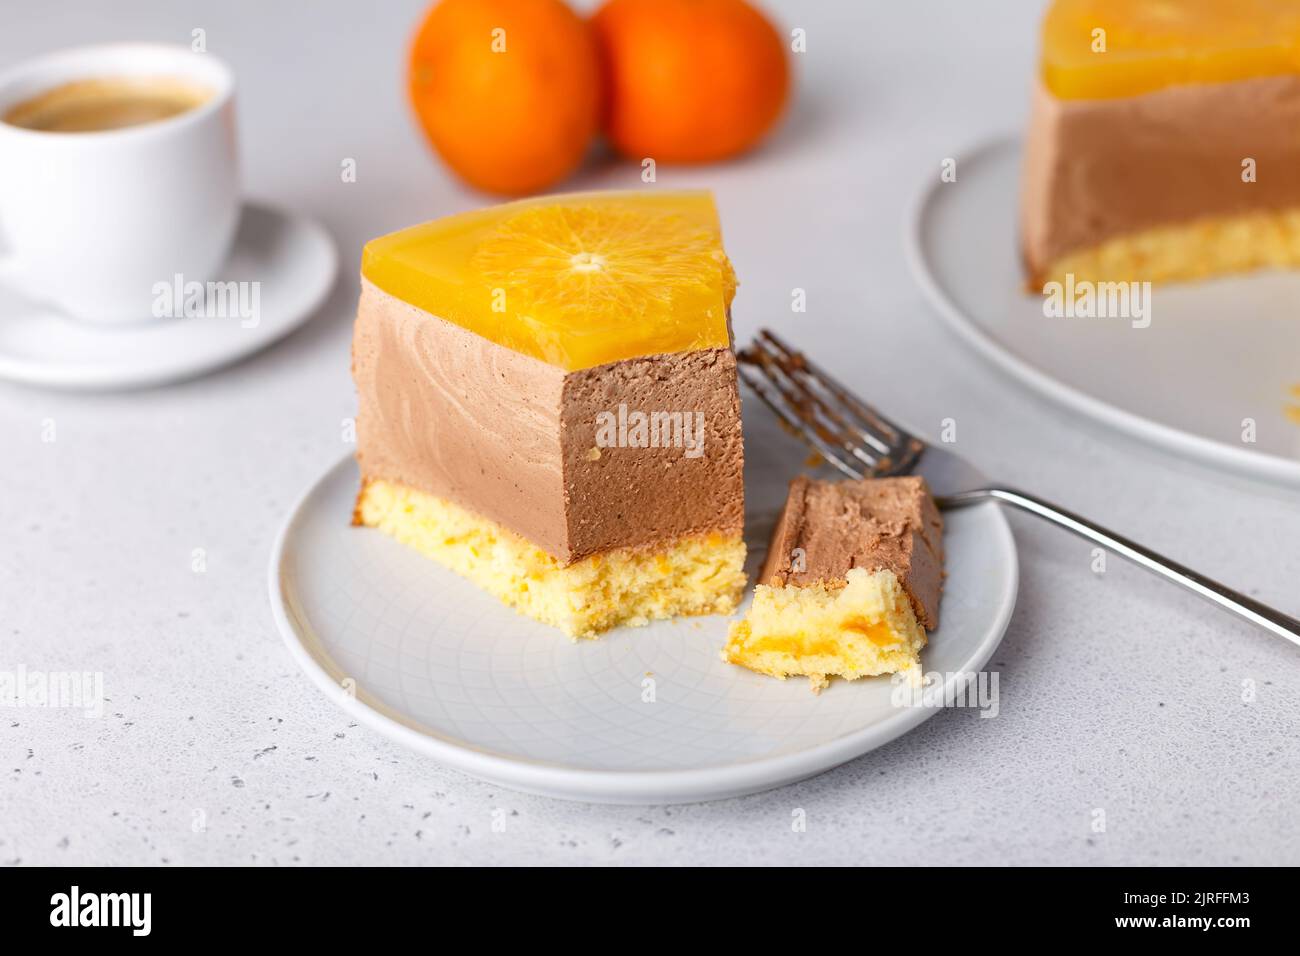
column 846, row 431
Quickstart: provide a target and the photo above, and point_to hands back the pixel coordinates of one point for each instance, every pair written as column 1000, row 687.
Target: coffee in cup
column 118, row 171
column 95, row 105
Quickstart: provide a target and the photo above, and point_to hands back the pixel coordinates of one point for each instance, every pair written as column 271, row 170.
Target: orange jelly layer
column 1153, row 44
column 576, row 281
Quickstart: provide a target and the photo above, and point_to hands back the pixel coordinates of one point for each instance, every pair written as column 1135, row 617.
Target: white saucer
column 291, row 256
column 445, row 669
column 1216, row 352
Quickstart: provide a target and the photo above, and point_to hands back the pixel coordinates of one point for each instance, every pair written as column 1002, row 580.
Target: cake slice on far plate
column 1164, row 141
column 851, row 583
column 548, row 405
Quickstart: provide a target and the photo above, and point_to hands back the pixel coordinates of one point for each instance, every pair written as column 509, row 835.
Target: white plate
column 291, row 256
column 445, row 669
column 1216, row 352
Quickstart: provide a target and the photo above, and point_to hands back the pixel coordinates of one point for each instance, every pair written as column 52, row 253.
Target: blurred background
column 881, row 96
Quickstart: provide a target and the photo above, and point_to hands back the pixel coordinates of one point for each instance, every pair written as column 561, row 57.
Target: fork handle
column 1270, row 619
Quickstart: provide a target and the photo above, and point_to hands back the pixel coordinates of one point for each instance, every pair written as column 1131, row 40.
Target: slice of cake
column 548, row 405
column 850, row 585
column 1164, row 141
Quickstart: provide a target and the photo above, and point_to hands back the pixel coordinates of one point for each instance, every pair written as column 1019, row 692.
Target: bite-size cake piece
column 1164, row 140
column 850, row 585
column 548, row 405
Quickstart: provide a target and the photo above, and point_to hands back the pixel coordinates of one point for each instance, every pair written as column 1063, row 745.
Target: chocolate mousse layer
column 631, row 454
column 1098, row 169
column 828, row 528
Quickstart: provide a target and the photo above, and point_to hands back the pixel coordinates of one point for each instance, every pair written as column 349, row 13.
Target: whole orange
column 689, row 80
column 507, row 91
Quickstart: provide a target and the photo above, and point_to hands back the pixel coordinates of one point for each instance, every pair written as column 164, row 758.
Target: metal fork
column 859, row 441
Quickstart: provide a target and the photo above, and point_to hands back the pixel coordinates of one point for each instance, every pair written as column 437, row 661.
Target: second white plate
column 643, row 715
column 1217, row 356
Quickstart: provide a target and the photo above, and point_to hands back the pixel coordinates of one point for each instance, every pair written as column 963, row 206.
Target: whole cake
column 548, row 405
column 1164, row 140
column 850, row 585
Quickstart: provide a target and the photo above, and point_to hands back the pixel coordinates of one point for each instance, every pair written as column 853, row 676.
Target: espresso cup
column 93, row 222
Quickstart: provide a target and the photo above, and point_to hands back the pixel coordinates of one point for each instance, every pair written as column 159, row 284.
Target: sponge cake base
column 866, row 626
column 1180, row 253
column 701, row 574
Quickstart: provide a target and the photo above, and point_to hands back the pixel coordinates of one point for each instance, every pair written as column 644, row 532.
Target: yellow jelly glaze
column 576, row 280
column 1153, row 44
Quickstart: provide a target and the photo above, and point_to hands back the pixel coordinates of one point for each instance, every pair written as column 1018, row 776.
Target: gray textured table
column 1118, row 693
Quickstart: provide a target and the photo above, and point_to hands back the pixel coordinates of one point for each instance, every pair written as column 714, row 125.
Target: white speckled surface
column 1118, row 693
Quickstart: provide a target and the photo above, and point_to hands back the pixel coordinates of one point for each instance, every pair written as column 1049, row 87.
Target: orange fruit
column 507, row 91
column 608, row 276
column 689, row 80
